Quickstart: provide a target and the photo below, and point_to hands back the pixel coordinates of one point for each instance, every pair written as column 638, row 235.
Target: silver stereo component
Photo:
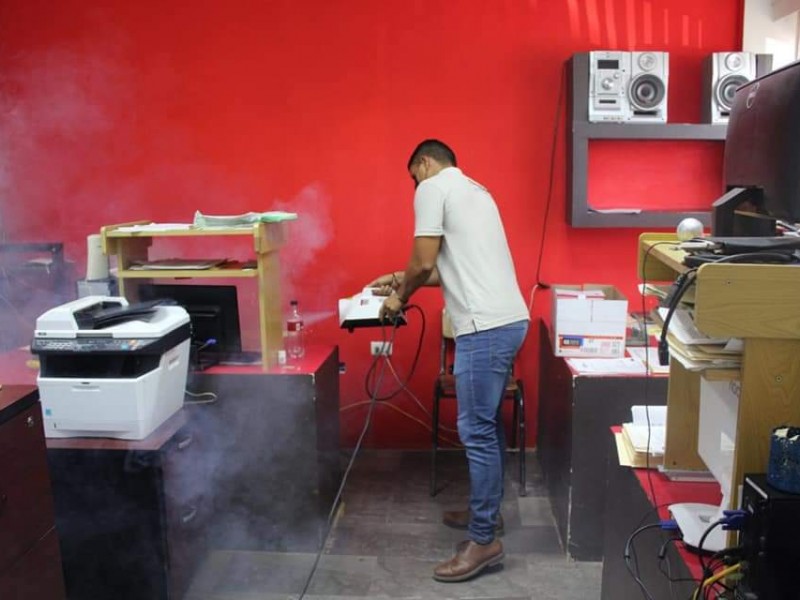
column 723, row 74
column 609, row 73
column 647, row 90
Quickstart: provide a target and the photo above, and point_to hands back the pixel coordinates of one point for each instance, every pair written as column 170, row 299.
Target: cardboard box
column 589, row 321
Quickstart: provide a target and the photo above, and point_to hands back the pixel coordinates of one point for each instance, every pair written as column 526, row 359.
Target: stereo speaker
column 723, row 74
column 648, row 86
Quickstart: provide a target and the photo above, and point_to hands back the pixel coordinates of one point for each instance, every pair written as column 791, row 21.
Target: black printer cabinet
column 130, row 518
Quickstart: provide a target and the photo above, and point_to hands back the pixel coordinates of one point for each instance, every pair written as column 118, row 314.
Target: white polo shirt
column 475, row 265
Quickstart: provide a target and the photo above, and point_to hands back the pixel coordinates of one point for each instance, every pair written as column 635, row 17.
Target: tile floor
column 388, row 537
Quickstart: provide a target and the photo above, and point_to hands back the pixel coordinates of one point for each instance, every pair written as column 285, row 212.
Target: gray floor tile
column 532, row 540
column 238, row 575
column 389, row 536
column 564, row 581
column 412, row 578
column 399, row 540
column 535, row 511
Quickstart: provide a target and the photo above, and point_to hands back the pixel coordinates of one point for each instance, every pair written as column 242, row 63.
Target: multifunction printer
column 109, row 368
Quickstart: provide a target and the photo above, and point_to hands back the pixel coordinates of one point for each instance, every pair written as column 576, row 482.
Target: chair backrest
column 447, row 338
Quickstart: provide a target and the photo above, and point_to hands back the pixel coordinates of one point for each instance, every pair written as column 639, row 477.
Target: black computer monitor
column 214, row 313
column 762, row 157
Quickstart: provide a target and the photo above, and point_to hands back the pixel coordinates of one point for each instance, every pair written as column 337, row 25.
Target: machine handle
column 185, row 442
column 86, row 387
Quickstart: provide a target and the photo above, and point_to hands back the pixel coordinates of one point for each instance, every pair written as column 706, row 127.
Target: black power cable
column 647, row 368
column 553, row 148
column 706, row 570
column 656, row 505
column 337, row 498
column 373, row 391
column 681, row 286
column 630, row 552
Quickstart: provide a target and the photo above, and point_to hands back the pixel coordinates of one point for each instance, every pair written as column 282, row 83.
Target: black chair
column 445, row 387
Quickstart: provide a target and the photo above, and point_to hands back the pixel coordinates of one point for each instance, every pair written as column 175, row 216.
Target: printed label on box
column 591, row 345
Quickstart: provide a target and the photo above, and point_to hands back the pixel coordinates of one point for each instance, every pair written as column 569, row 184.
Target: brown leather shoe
column 471, row 559
column 459, row 519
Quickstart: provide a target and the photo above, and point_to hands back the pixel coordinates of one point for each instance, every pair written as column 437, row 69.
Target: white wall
column 772, row 27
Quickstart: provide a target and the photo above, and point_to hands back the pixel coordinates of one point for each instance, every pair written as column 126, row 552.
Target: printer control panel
column 88, row 344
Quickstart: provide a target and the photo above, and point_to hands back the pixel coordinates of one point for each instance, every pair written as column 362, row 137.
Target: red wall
column 113, row 110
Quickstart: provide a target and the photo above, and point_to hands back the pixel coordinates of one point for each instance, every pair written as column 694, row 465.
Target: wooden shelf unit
column 132, row 246
column 754, row 302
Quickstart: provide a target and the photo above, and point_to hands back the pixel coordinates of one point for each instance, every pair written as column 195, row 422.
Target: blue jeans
column 482, row 366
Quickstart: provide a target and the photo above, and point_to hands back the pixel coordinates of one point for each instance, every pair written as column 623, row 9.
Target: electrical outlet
column 384, row 348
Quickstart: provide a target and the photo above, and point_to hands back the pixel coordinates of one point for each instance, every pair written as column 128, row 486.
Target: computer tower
column 770, row 542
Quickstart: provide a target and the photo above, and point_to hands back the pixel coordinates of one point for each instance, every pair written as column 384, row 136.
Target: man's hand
column 391, row 308
column 385, row 284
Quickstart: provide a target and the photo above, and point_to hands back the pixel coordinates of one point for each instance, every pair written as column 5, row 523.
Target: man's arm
column 421, row 269
column 386, row 284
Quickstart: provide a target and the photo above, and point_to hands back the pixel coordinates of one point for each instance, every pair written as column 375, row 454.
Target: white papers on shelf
column 734, row 346
column 616, row 211
column 607, row 366
column 697, row 357
column 242, row 220
column 651, row 289
column 641, row 442
column 657, row 415
column 649, row 358
column 662, row 291
column 695, row 350
column 189, row 264
column 149, row 227
column 683, row 328
column 639, row 430
column 694, row 364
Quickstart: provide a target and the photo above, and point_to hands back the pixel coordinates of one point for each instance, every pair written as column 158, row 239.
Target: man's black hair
column 439, row 151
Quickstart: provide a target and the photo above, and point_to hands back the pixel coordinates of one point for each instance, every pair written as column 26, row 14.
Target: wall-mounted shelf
column 579, row 213
column 648, row 131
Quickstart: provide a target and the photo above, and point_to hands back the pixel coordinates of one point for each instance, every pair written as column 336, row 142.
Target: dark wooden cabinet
column 272, row 452
column 131, row 515
column 255, row 468
column 575, row 412
column 30, row 565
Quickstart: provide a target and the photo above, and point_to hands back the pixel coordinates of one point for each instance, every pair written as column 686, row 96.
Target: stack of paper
column 245, row 219
column 662, row 291
column 649, row 359
column 697, row 351
column 607, row 366
column 646, row 431
column 190, row 264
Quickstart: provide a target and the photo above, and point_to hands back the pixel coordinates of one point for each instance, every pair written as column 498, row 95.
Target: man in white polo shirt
column 460, row 244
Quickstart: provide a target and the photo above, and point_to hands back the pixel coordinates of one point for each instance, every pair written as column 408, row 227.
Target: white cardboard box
column 589, row 321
